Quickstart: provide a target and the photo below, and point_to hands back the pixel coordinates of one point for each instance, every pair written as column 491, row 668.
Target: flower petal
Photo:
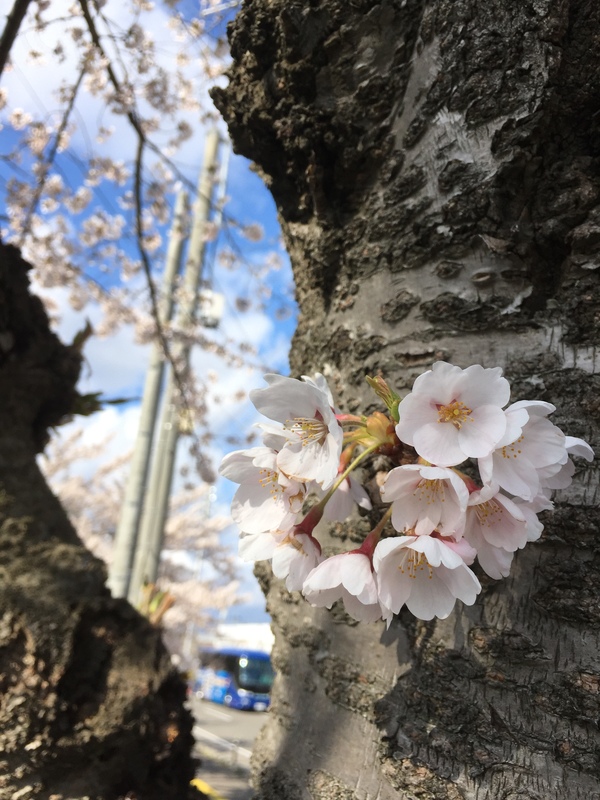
column 438, row 443
column 257, row 546
column 480, row 386
column 429, row 599
column 414, row 412
column 363, row 612
column 481, row 433
column 578, row 447
column 462, row 583
column 286, row 398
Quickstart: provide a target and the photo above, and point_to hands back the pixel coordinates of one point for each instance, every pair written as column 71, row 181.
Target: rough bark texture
column 89, row 704
column 436, row 168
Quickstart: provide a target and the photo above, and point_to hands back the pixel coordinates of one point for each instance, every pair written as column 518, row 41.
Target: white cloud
column 116, row 365
column 33, row 84
column 110, row 433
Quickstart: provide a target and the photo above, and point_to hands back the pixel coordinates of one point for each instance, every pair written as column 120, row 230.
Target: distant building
column 253, row 635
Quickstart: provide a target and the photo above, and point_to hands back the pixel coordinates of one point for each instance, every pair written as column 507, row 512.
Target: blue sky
column 115, row 365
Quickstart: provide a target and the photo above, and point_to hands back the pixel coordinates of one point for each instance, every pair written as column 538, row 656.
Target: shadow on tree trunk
column 90, row 705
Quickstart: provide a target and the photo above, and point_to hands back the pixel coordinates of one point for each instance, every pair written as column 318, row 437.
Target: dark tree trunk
column 89, row 704
column 436, row 169
column 14, row 20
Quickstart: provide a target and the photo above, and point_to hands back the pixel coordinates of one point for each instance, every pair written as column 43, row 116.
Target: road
column 238, row 729
column 224, row 738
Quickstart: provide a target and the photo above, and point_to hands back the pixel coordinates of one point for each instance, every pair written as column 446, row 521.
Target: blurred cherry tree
column 103, row 108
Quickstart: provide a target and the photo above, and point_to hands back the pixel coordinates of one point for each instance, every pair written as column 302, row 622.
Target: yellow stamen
column 489, row 513
column 456, row 413
column 415, row 562
column 428, row 491
column 308, row 430
column 270, row 477
column 512, row 450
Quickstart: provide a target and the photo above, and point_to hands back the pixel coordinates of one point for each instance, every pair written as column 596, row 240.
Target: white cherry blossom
column 258, row 546
column 425, row 499
column 517, row 465
column 425, row 574
column 552, row 478
column 267, row 499
column 447, row 518
column 293, row 554
column 341, row 504
column 294, row 558
column 453, row 414
column 347, row 577
column 313, row 436
column 495, row 528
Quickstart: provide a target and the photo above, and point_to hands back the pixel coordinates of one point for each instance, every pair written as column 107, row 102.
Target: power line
column 147, row 555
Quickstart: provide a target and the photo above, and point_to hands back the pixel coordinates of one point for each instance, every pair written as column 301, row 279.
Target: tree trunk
column 89, row 704
column 435, row 166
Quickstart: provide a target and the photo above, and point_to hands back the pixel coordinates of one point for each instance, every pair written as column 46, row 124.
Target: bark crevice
column 89, row 703
column 453, row 213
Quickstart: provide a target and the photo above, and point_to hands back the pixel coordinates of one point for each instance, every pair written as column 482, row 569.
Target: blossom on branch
column 424, row 573
column 425, row 499
column 495, row 528
column 312, row 434
column 294, row 558
column 453, row 414
column 442, row 519
column 347, row 577
column 521, row 464
column 267, row 500
column 552, row 478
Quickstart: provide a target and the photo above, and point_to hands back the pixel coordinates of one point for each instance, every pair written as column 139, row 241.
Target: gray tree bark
column 90, row 706
column 436, row 168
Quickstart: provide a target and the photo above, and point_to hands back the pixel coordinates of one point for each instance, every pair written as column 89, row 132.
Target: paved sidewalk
column 226, row 773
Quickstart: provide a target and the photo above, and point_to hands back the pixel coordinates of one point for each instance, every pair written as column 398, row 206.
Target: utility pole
column 127, row 530
column 147, row 556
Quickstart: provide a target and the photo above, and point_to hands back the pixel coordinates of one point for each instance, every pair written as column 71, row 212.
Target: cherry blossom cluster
column 453, row 425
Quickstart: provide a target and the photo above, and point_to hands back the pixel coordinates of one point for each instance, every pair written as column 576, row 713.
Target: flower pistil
column 456, row 413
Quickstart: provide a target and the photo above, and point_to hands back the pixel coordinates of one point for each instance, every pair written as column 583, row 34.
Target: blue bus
column 235, row 677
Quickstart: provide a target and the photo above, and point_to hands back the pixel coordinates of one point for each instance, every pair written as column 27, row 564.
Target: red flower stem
column 313, row 517
column 373, row 537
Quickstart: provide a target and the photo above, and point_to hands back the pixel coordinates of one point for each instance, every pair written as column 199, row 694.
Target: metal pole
column 191, row 630
column 147, row 556
column 129, row 520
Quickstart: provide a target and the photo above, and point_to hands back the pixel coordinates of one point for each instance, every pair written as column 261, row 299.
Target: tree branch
column 139, row 158
column 51, row 156
column 11, row 29
column 142, row 142
column 131, row 115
